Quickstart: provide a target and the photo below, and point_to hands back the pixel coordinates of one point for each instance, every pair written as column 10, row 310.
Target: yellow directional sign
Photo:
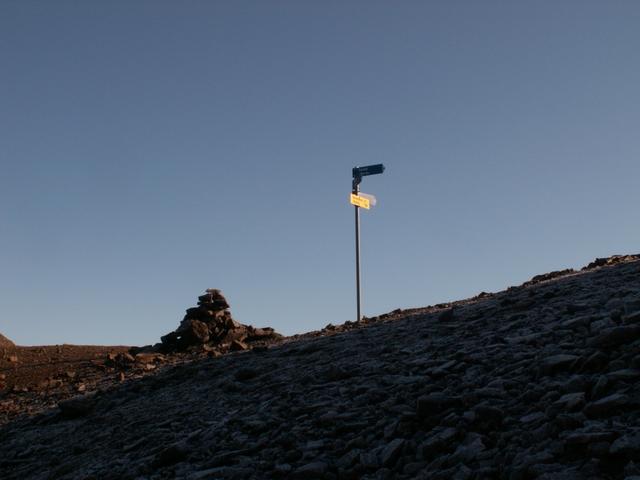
column 359, row 201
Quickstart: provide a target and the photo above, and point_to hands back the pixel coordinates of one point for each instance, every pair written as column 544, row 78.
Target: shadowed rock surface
column 536, row 382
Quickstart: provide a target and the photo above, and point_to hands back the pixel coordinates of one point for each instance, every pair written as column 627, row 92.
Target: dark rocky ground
column 536, row 382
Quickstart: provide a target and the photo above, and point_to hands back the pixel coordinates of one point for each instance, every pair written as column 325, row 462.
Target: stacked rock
column 210, row 325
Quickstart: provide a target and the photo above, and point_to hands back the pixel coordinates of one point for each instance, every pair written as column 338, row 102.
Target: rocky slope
column 5, row 342
column 34, row 379
column 539, row 381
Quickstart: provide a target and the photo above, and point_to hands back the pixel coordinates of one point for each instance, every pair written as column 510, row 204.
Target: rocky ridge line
column 536, row 382
column 5, row 342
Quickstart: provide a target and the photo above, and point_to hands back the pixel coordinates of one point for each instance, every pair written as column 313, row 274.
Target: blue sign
column 368, row 170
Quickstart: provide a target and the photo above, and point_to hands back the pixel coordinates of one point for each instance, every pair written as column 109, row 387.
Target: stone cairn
column 210, row 327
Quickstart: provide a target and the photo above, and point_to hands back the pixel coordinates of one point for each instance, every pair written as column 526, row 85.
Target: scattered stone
column 596, row 362
column 616, row 336
column 557, row 363
column 437, row 441
column 391, row 452
column 237, row 345
column 435, row 403
column 633, row 317
column 311, row 470
column 548, row 276
column 171, row 455
column 600, row 388
column 627, row 445
column 586, row 438
column 624, row 375
column 533, row 417
column 571, row 401
column 609, row 261
column 469, row 450
column 607, row 405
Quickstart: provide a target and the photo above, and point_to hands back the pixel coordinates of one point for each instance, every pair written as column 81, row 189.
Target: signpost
column 368, row 170
column 361, row 200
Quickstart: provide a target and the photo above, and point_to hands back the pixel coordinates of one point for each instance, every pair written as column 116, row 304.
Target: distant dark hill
column 5, row 342
column 540, row 381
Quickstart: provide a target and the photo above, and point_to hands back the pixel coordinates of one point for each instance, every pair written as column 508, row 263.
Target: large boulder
column 5, row 342
column 211, row 326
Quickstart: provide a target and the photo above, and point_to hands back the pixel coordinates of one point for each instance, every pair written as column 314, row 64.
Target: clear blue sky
column 152, row 149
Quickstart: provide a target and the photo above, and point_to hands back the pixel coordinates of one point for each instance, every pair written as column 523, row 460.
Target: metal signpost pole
column 366, row 201
column 356, row 189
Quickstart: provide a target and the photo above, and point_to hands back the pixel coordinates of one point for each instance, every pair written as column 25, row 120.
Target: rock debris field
column 536, row 382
